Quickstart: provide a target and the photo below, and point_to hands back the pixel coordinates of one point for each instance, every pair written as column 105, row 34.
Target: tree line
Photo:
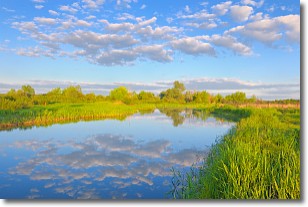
column 25, row 97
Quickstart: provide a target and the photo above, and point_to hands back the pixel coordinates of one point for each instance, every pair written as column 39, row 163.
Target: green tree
column 54, row 95
column 237, row 97
column 146, row 96
column 202, row 97
column 27, row 90
column 179, row 86
column 90, row 97
column 55, row 92
column 218, row 98
column 189, row 96
column 119, row 94
column 162, row 95
column 253, row 99
column 11, row 95
column 174, row 94
column 73, row 94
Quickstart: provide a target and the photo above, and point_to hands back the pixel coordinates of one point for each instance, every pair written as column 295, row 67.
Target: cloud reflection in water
column 135, row 164
column 102, row 166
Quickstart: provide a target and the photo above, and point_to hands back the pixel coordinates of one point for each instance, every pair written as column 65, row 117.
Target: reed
column 62, row 113
column 258, row 159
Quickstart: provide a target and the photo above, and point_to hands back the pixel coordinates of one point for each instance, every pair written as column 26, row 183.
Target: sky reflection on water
column 103, row 159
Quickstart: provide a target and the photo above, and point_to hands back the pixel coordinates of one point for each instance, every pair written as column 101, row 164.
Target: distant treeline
column 25, row 97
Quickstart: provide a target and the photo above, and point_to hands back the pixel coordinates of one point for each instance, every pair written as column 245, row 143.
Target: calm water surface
column 107, row 159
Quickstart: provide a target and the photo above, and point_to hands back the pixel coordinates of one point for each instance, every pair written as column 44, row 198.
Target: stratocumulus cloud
column 127, row 39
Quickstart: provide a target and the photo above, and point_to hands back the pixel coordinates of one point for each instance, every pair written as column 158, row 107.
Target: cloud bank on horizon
column 223, row 86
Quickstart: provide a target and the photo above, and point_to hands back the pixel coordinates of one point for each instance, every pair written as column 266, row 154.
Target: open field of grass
column 258, row 159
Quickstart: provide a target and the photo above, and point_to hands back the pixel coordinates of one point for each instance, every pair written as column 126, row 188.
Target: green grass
column 258, row 159
column 62, row 113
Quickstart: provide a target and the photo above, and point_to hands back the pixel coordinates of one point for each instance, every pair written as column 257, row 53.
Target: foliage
column 147, row 97
column 174, row 94
column 259, row 159
column 202, row 97
column 61, row 113
column 72, row 94
column 237, row 97
column 27, row 90
column 119, row 94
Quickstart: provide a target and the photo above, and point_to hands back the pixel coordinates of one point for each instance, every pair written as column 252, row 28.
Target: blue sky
column 219, row 46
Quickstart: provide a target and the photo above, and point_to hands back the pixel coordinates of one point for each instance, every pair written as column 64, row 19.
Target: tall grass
column 259, row 159
column 40, row 115
column 61, row 113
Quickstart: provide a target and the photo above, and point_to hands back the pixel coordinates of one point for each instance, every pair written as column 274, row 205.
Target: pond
column 108, row 159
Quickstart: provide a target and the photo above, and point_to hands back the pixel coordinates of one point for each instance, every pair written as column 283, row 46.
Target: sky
column 218, row 46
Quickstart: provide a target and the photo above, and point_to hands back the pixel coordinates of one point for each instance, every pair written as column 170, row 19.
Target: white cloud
column 291, row 24
column 7, row 10
column 231, row 43
column 154, row 52
column 253, row 3
column 35, row 52
column 125, row 16
column 158, row 33
column 68, row 9
column 117, row 27
column 271, row 30
column 222, row 8
column 204, row 25
column 193, row 46
column 38, row 1
column 83, row 23
column 187, row 9
column 92, row 41
column 43, row 20
column 147, row 22
column 39, row 6
column 25, row 27
column 202, row 15
column 127, row 57
column 115, row 57
column 143, row 6
column 240, row 13
column 125, row 3
column 271, row 8
column 54, row 13
column 92, row 4
column 67, row 24
column 90, row 17
column 257, row 16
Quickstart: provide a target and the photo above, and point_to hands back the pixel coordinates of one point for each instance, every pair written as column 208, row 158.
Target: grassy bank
column 72, row 112
column 41, row 115
column 259, row 159
column 62, row 113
